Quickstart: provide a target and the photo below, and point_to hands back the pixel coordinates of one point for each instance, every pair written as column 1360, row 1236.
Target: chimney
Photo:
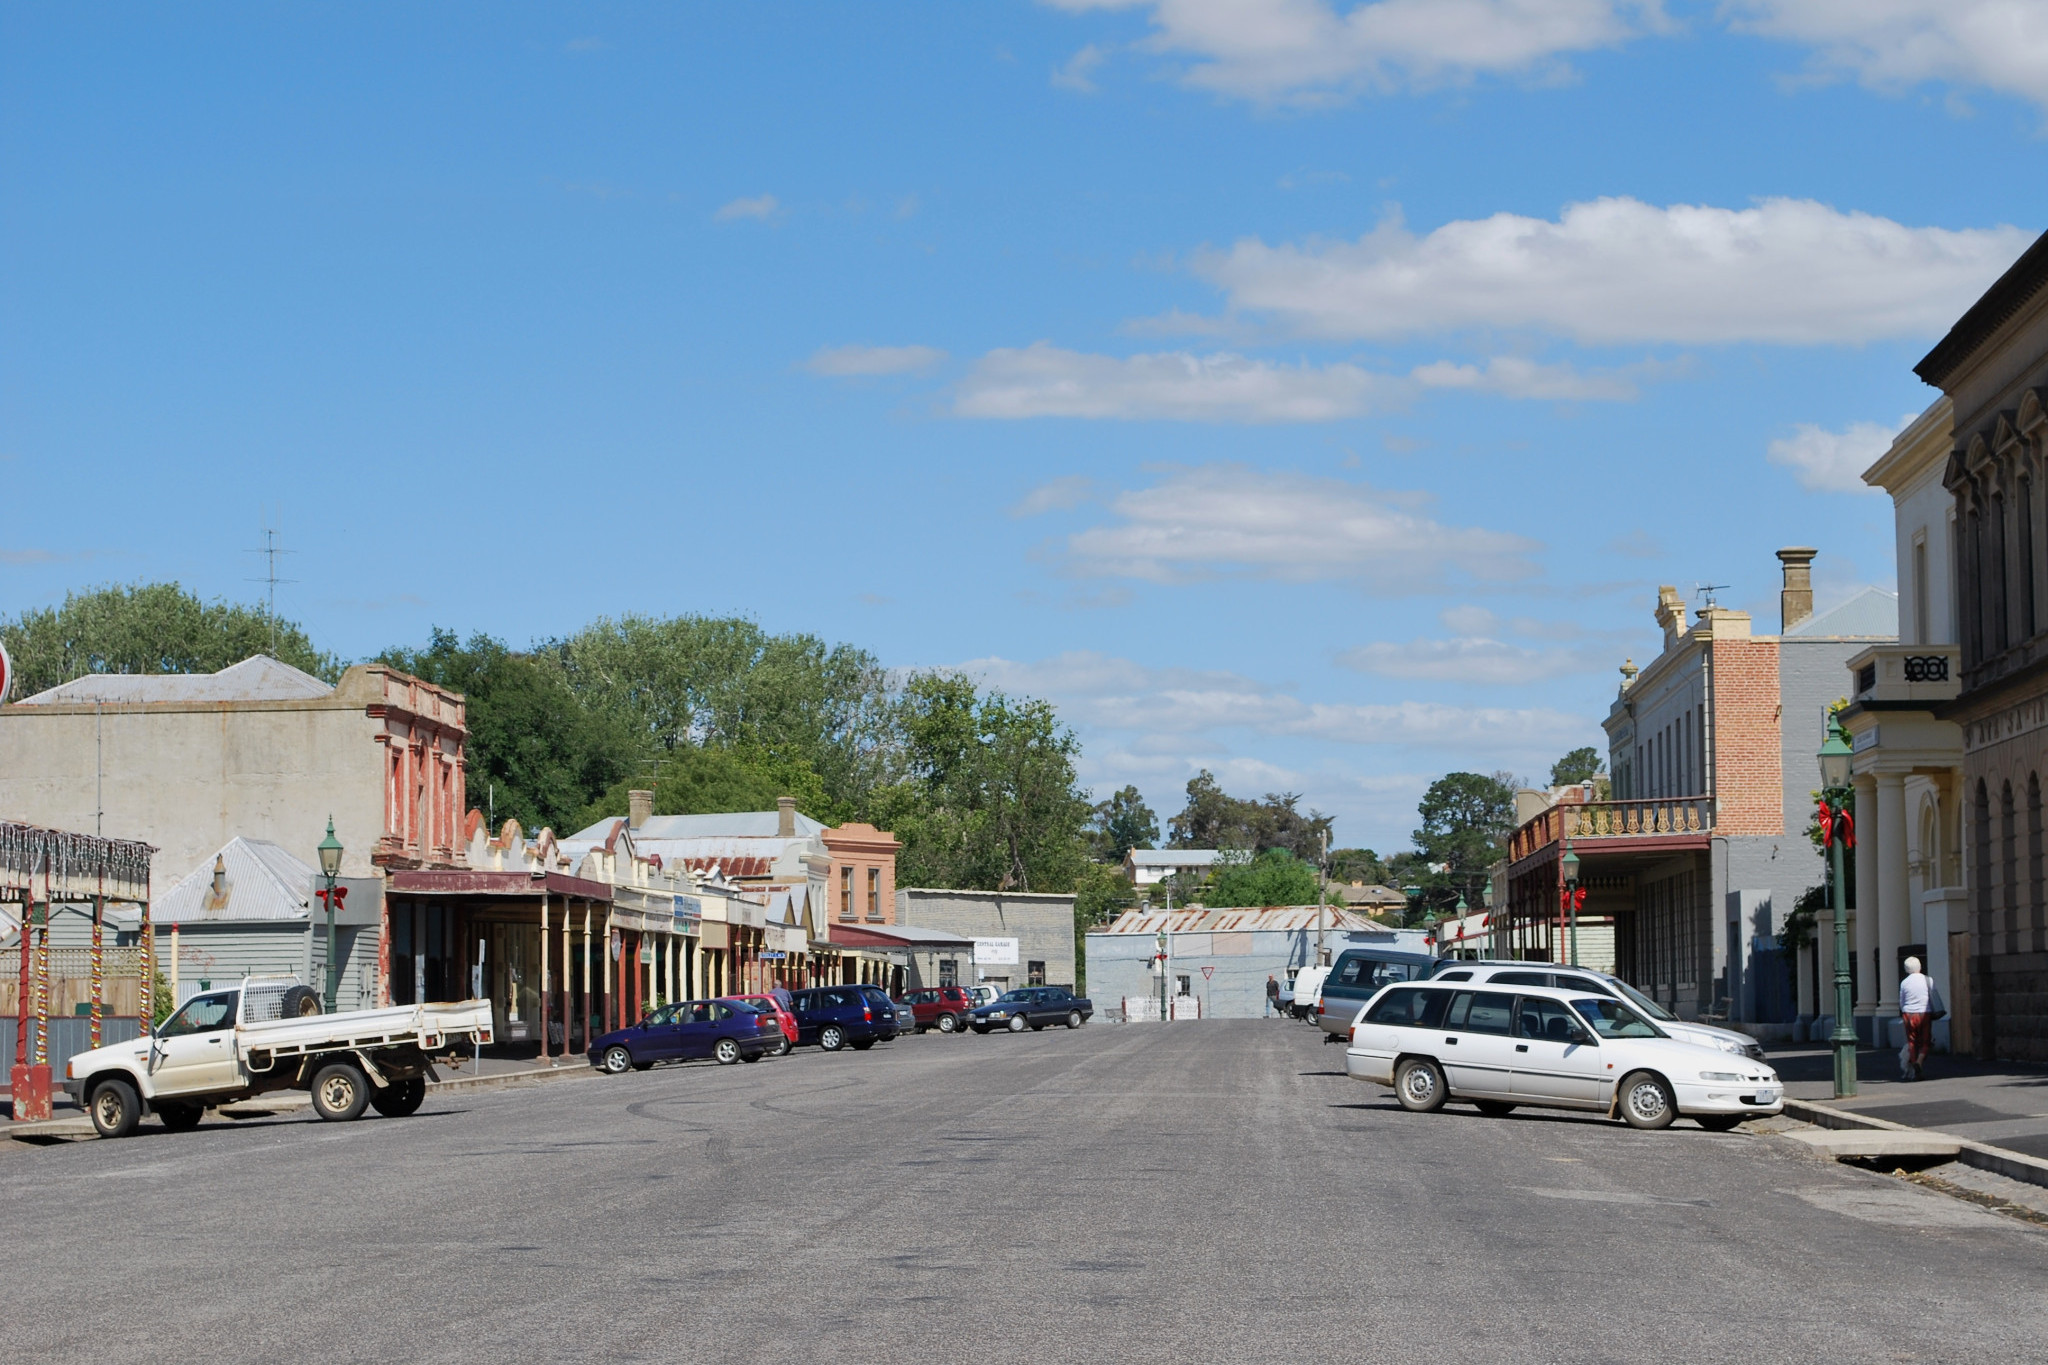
column 785, row 816
column 639, row 806
column 1670, row 614
column 1796, row 601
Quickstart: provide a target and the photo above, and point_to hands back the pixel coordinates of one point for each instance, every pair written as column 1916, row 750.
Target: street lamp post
column 1838, row 832
column 330, row 867
column 1486, row 899
column 1572, row 898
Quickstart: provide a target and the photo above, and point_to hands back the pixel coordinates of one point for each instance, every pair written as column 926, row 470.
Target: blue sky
column 1310, row 391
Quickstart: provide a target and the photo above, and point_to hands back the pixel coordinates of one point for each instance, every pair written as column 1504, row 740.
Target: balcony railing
column 1891, row 674
column 1613, row 819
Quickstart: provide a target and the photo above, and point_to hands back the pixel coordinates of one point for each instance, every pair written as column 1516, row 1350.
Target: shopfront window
column 1035, row 974
column 874, row 893
column 949, row 971
column 846, row 893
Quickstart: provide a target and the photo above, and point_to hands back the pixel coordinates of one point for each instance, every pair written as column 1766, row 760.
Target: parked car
column 769, row 1004
column 268, row 1034
column 1355, row 977
column 836, row 1017
column 1032, row 1007
column 977, row 996
column 723, row 1029
column 1500, row 972
column 941, row 1007
column 1552, row 1049
column 1307, row 992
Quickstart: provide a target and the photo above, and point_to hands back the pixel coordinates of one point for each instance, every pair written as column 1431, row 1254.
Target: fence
column 69, row 1035
column 1144, row 1009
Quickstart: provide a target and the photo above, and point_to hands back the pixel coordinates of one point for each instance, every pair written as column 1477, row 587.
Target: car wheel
column 727, row 1052
column 1718, row 1123
column 949, row 1023
column 180, row 1118
column 831, row 1038
column 115, row 1108
column 1018, row 1023
column 300, row 1002
column 1420, row 1085
column 1646, row 1101
column 340, row 1092
column 783, row 1048
column 400, row 1099
column 1073, row 1018
column 1497, row 1108
column 617, row 1061
column 750, row 1056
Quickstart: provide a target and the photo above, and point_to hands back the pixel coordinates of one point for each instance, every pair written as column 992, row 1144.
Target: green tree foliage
column 1578, row 766
column 1359, row 865
column 987, row 799
column 1466, row 819
column 1215, row 819
column 1122, row 823
column 1274, row 877
column 709, row 780
column 148, row 628
column 536, row 752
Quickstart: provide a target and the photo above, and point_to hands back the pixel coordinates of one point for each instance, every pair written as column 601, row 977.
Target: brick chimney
column 785, row 816
column 1796, row 601
column 639, row 806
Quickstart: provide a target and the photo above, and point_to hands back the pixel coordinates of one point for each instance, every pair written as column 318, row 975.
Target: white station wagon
column 1551, row 1049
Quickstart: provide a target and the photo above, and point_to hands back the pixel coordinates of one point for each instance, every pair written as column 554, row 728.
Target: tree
column 1359, row 865
column 535, row 753
column 148, row 628
column 712, row 779
column 1275, row 877
column 1578, row 766
column 1122, row 823
column 1466, row 819
column 1213, row 818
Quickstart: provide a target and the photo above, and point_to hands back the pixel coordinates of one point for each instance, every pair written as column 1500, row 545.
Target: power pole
column 1322, row 899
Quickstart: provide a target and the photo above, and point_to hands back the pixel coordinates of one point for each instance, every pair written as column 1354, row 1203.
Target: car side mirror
column 1581, row 1036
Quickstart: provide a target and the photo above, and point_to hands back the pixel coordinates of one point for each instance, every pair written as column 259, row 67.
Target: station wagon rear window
column 1409, row 1007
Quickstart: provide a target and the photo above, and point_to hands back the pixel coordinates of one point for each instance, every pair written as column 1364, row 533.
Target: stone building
column 1017, row 938
column 1993, row 367
column 1701, row 852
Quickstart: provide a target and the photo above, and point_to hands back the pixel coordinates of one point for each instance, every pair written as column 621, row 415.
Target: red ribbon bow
column 1829, row 819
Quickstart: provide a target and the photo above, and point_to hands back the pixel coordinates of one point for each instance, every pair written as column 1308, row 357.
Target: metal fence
column 68, row 1036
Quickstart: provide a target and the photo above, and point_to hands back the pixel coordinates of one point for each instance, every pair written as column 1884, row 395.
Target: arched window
column 1927, row 856
column 1980, row 856
column 1994, row 565
column 1969, row 551
column 2024, row 567
column 2035, row 896
column 2008, row 853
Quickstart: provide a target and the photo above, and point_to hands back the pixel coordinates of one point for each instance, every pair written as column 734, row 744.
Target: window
column 1454, row 976
column 949, row 971
column 1521, row 979
column 846, row 893
column 1034, row 974
column 1186, row 987
column 1549, row 1020
column 1923, row 632
column 1411, row 1007
column 1578, row 983
column 1612, row 1019
column 1481, row 1012
column 204, row 1014
column 874, row 893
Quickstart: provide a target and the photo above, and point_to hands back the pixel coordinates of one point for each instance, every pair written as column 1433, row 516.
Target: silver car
column 1503, row 973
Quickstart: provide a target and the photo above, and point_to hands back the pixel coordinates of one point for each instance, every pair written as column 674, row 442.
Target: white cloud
column 760, row 206
column 1307, row 51
column 1472, row 659
column 1228, row 519
column 1043, row 380
column 1075, row 74
column 1061, row 494
column 1833, row 461
column 1891, row 45
column 1619, row 270
column 845, row 361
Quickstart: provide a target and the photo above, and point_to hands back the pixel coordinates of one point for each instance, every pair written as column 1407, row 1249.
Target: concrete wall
column 1121, row 965
column 1043, row 926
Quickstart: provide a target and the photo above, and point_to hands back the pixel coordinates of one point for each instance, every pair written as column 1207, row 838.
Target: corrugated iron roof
column 261, row 881
column 745, row 824
column 1238, row 920
column 258, row 678
column 1174, row 857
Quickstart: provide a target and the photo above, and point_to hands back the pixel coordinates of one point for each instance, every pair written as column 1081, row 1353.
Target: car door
column 1556, row 1059
column 697, row 1030
column 195, row 1049
column 1477, row 1050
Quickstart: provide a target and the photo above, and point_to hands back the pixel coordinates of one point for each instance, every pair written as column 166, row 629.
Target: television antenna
column 1707, row 590
column 271, row 548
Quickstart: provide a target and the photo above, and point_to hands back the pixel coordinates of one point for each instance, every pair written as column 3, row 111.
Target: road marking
column 1612, row 1197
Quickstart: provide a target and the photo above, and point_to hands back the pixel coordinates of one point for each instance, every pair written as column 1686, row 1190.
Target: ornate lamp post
column 1574, row 897
column 1486, row 899
column 330, row 867
column 1838, row 832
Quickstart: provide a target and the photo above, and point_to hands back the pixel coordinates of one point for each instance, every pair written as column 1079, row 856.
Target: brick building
column 1701, row 851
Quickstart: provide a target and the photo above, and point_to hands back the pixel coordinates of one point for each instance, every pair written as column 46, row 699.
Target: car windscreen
column 1644, row 1002
column 1612, row 1019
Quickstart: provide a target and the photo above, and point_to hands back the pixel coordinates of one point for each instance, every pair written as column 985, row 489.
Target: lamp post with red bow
column 1837, row 834
column 1574, row 899
column 334, row 896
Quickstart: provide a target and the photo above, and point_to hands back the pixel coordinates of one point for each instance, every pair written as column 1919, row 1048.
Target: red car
column 768, row 1004
column 941, row 1007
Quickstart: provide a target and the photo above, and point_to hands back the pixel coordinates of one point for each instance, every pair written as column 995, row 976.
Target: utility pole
column 1322, row 900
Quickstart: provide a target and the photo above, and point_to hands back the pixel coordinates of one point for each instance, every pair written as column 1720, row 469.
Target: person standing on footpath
column 1272, row 995
column 1919, row 1007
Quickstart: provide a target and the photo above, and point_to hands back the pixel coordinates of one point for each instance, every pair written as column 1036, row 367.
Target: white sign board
column 995, row 952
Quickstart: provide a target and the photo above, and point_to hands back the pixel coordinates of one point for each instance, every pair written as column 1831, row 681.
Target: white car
column 1552, row 1049
column 1602, row 983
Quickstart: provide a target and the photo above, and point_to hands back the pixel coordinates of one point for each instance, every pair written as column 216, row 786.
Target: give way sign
column 1208, row 972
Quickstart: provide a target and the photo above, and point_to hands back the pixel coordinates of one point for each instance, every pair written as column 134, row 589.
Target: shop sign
column 689, row 914
column 995, row 952
column 646, row 953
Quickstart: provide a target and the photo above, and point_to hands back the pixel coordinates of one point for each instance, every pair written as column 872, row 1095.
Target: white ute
column 268, row 1034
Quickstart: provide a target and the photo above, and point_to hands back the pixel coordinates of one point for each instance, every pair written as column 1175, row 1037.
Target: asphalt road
column 1208, row 1191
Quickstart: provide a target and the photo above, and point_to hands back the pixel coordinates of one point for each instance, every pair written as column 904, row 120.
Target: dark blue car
column 834, row 1017
column 722, row 1029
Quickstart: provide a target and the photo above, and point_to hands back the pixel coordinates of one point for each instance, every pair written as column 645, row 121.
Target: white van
column 1308, row 991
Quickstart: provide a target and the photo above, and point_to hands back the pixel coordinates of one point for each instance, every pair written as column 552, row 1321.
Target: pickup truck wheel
column 1018, row 1023
column 115, row 1108
column 1420, row 1086
column 616, row 1060
column 400, row 1098
column 340, row 1092
column 831, row 1038
column 727, row 1052
column 1073, row 1018
column 949, row 1023
column 180, row 1118
column 300, row 1002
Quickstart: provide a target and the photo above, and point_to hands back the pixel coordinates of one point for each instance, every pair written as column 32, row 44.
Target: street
column 1211, row 1191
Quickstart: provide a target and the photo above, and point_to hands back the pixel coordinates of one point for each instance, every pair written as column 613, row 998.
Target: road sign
column 6, row 672
column 1208, row 972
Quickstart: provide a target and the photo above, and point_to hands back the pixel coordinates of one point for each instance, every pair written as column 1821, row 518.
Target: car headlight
column 999, row 1014
column 1730, row 1045
column 1719, row 1076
